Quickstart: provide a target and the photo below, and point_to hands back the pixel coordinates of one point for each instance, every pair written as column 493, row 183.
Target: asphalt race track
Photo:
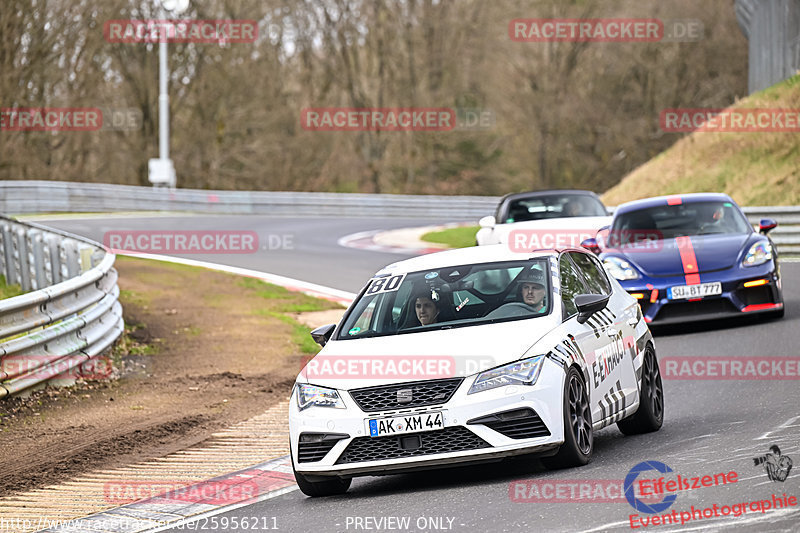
column 711, row 426
column 312, row 253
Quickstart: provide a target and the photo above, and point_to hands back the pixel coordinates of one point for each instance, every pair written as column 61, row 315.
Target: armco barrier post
column 55, row 259
column 38, row 259
column 22, row 253
column 8, row 254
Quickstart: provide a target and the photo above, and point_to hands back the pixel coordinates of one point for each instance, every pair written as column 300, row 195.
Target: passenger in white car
column 532, row 289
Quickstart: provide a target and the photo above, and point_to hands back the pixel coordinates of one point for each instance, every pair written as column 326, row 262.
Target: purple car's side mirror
column 591, row 245
column 766, row 225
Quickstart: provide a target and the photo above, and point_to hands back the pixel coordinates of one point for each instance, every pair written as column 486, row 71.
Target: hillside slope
column 755, row 168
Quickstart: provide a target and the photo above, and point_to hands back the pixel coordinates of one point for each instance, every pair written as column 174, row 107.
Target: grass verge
column 754, row 168
column 9, row 291
column 460, row 237
column 280, row 301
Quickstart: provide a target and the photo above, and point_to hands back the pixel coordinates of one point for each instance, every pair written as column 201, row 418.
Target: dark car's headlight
column 524, row 372
column 314, row 396
column 758, row 254
column 620, row 269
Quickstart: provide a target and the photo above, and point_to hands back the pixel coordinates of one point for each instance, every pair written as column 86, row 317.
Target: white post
column 163, row 102
column 161, row 171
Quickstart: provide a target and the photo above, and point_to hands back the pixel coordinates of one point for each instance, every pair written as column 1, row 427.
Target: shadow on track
column 706, row 326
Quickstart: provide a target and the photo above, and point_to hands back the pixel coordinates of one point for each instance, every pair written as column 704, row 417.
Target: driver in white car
column 427, row 310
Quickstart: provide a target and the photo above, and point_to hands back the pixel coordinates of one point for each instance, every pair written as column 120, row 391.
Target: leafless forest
column 565, row 114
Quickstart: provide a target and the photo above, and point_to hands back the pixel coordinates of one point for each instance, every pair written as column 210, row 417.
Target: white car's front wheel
column 578, row 433
column 650, row 415
column 328, row 487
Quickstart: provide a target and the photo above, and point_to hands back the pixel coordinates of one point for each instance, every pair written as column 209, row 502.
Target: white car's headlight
column 758, row 254
column 314, row 396
column 524, row 372
column 620, row 269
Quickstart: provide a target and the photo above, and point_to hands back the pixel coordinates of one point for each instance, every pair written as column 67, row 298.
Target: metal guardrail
column 53, row 196
column 72, row 314
column 787, row 235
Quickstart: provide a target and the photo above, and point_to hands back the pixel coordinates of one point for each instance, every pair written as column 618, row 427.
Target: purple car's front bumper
column 761, row 295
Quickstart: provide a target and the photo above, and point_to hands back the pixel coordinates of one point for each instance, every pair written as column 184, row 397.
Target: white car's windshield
column 453, row 296
column 554, row 206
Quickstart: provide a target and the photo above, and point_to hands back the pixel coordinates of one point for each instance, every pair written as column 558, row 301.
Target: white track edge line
column 275, row 279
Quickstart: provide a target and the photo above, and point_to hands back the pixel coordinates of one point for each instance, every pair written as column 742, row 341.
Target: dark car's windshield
column 455, row 296
column 553, row 206
column 685, row 219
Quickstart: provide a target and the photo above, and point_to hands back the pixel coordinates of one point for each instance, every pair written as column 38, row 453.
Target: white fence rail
column 71, row 314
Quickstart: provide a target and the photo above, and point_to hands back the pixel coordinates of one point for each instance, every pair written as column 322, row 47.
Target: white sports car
column 471, row 355
column 544, row 219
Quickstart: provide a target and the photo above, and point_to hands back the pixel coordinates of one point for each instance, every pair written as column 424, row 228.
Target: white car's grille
column 451, row 439
column 405, row 395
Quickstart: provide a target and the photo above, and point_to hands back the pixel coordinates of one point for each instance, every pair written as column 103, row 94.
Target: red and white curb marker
column 365, row 240
column 194, row 502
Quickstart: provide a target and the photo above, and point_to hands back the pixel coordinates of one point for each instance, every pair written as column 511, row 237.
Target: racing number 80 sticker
column 378, row 285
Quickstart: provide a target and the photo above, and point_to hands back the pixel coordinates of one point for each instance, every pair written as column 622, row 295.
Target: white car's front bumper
column 545, row 398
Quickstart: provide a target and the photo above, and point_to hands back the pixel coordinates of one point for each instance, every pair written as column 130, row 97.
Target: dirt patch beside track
column 205, row 350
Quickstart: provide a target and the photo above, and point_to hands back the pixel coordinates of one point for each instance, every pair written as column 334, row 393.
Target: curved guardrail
column 72, row 314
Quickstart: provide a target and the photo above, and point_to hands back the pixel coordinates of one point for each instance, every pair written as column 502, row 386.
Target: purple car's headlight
column 620, row 269
column 758, row 254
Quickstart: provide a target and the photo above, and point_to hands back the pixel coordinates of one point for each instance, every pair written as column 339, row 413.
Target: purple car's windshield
column 685, row 219
column 455, row 296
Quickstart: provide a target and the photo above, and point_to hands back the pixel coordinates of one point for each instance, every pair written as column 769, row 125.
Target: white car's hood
column 548, row 233
column 356, row 363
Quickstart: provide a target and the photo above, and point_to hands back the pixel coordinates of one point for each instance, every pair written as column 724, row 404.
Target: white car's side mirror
column 487, row 222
